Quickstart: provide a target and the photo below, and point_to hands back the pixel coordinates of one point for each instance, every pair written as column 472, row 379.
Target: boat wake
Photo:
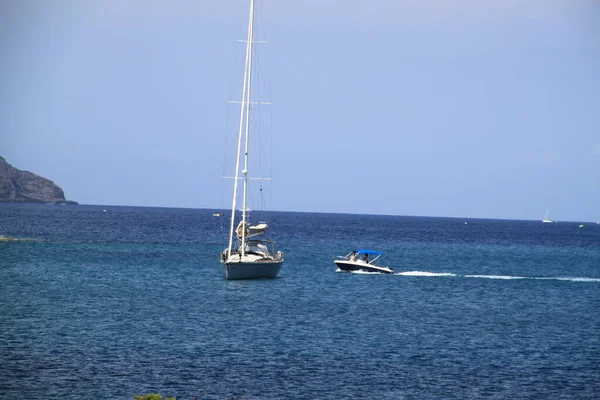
column 501, row 277
column 505, row 277
column 558, row 278
column 576, row 279
column 423, row 273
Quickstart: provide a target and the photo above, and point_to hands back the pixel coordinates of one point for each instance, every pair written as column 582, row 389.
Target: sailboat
column 248, row 255
column 547, row 219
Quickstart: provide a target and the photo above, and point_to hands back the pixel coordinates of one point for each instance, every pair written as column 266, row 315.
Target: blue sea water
column 107, row 304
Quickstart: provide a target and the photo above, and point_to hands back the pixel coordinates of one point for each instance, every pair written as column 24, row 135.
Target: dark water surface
column 133, row 300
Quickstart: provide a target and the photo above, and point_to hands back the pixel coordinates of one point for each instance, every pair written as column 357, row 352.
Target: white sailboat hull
column 252, row 270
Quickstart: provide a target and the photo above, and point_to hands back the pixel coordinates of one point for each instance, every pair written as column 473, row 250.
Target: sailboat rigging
column 247, row 255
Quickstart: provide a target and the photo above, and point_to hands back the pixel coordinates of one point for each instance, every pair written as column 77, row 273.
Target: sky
column 429, row 108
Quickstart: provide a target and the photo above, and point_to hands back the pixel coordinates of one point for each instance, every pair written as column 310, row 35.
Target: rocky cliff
column 18, row 186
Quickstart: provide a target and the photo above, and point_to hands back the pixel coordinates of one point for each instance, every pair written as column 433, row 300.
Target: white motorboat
column 362, row 260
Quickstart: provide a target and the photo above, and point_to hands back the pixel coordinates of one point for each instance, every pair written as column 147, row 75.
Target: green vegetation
column 151, row 396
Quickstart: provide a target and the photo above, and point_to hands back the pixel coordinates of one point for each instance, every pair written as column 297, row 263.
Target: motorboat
column 362, row 260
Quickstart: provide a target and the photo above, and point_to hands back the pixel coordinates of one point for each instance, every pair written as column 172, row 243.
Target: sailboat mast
column 249, row 48
column 245, row 108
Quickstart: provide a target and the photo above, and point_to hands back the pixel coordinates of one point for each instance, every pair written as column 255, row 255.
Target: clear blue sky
column 446, row 108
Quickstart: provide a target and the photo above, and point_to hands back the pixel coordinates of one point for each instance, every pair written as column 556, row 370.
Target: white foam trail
column 424, row 273
column 495, row 277
column 503, row 277
column 574, row 279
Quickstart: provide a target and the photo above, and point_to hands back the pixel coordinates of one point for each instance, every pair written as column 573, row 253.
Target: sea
column 109, row 302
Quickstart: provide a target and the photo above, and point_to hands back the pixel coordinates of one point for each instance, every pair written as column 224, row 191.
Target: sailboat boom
column 250, row 179
column 252, row 102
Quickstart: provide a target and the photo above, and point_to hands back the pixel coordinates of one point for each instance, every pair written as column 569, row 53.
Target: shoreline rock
column 17, row 186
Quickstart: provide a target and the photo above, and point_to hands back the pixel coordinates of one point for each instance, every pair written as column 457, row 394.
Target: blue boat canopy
column 367, row 252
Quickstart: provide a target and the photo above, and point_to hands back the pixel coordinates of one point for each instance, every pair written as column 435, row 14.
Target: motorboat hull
column 252, row 270
column 361, row 266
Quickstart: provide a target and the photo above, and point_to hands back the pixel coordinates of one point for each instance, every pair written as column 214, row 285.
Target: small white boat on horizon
column 547, row 219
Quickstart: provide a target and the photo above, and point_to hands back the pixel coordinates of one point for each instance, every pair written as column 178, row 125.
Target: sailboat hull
column 252, row 270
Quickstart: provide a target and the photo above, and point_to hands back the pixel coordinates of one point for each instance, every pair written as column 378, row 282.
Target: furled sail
column 256, row 230
column 240, row 229
column 251, row 230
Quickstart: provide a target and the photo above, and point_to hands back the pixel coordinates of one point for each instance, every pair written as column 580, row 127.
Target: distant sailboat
column 248, row 256
column 547, row 219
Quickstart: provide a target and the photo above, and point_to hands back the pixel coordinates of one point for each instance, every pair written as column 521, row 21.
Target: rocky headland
column 18, row 186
